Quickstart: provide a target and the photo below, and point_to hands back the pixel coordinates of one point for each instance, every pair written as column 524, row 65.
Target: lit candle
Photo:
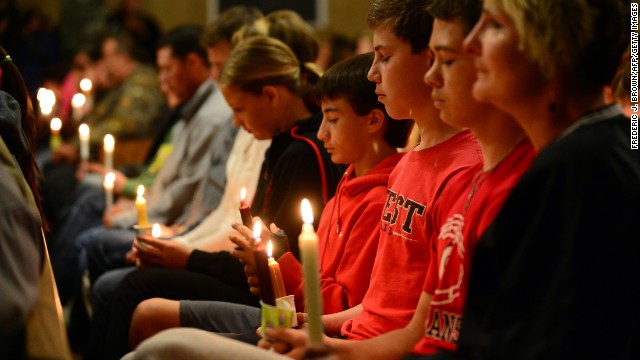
column 46, row 100
column 86, row 85
column 84, row 142
column 262, row 267
column 77, row 103
column 109, row 179
column 54, row 140
column 141, row 207
column 108, row 146
column 245, row 210
column 156, row 231
column 308, row 244
column 276, row 275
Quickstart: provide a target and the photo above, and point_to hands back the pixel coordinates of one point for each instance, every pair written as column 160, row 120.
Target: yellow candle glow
column 109, row 180
column 141, row 207
column 46, row 100
column 276, row 276
column 54, row 140
column 84, row 132
column 109, row 144
column 86, row 85
column 308, row 244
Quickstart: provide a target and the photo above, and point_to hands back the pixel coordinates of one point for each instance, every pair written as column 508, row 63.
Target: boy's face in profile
column 398, row 74
column 452, row 75
column 344, row 133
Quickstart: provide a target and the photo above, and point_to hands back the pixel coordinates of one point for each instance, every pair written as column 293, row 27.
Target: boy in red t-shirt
column 436, row 323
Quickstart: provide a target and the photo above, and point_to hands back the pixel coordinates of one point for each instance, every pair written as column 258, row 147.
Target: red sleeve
column 431, row 280
column 291, row 270
column 347, row 286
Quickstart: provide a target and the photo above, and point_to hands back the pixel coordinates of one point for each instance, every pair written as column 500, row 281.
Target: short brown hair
column 407, row 19
column 228, row 22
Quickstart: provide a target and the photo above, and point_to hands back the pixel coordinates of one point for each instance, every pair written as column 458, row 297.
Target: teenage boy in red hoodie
column 357, row 131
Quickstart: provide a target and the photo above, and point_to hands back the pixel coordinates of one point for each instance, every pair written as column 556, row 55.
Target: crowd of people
column 505, row 232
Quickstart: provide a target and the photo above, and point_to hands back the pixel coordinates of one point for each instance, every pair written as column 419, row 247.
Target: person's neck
column 377, row 152
column 543, row 124
column 295, row 110
column 498, row 134
column 433, row 130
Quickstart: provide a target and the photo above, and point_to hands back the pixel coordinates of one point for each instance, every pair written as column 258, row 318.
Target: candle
column 109, row 179
column 54, row 140
column 141, row 207
column 109, row 144
column 308, row 244
column 77, row 103
column 156, row 231
column 245, row 210
column 86, row 85
column 276, row 275
column 262, row 267
column 84, row 142
column 46, row 100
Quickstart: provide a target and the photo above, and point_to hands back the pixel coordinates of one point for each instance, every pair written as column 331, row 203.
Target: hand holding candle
column 108, row 146
column 276, row 275
column 245, row 210
column 141, row 207
column 109, row 180
column 262, row 267
column 308, row 244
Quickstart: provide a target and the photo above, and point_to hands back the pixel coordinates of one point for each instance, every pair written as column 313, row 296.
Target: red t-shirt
column 403, row 251
column 347, row 243
column 447, row 277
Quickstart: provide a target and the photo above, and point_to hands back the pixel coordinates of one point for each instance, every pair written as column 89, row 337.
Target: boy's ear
column 271, row 93
column 376, row 121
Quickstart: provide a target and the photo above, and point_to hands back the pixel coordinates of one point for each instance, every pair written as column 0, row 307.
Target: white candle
column 109, row 144
column 77, row 103
column 46, row 100
column 109, row 179
column 84, row 142
column 156, row 231
column 308, row 244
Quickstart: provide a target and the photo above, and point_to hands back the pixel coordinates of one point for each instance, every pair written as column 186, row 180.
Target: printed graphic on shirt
column 451, row 261
column 399, row 214
column 444, row 326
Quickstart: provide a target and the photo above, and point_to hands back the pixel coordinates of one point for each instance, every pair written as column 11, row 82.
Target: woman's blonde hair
column 581, row 38
column 260, row 61
column 288, row 27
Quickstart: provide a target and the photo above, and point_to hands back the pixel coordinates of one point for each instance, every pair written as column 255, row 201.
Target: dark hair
column 407, row 19
column 127, row 44
column 12, row 82
column 621, row 84
column 467, row 11
column 183, row 40
column 347, row 79
column 228, row 22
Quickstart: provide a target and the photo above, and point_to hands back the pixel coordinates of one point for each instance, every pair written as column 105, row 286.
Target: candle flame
column 307, row 212
column 110, row 178
column 155, row 230
column 109, row 142
column 78, row 100
column 86, row 85
column 270, row 249
column 56, row 124
column 84, row 131
column 140, row 190
column 243, row 193
column 257, row 229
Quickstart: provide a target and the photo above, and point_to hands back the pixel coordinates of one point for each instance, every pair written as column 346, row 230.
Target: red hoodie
column 348, row 233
